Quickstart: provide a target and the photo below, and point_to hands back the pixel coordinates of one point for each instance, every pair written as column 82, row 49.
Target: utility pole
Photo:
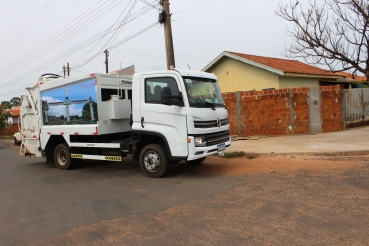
column 106, row 60
column 68, row 69
column 165, row 18
column 64, row 70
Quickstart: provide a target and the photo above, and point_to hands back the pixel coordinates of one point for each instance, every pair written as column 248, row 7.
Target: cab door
column 166, row 121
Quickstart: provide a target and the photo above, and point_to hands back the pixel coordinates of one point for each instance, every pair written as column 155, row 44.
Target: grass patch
column 6, row 138
column 236, row 154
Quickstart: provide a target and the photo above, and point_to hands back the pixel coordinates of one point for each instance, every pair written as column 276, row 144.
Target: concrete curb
column 331, row 153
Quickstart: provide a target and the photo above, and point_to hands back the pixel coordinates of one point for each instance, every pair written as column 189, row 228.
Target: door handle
column 142, row 121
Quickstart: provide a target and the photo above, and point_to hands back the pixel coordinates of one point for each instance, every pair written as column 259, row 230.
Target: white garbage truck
column 160, row 118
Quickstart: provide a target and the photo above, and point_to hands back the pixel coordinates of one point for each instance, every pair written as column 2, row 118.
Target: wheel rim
column 61, row 157
column 152, row 161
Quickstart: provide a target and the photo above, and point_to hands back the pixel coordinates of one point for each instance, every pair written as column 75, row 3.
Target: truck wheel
column 154, row 161
column 62, row 157
column 197, row 161
column 15, row 141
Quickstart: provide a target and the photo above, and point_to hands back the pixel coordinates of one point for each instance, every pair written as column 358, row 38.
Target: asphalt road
column 38, row 200
column 268, row 200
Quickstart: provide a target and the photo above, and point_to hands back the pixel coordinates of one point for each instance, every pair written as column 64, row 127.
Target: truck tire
column 62, row 157
column 154, row 161
column 15, row 141
column 197, row 161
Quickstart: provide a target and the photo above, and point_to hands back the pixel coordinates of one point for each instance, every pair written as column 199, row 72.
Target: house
column 353, row 81
column 243, row 72
column 15, row 114
column 125, row 71
column 351, row 77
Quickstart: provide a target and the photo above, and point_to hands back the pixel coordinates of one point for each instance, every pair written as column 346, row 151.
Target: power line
column 192, row 6
column 107, row 30
column 151, row 4
column 26, row 75
column 70, row 35
column 25, row 31
column 20, row 78
column 12, row 64
column 119, row 27
column 82, row 45
column 116, row 45
column 140, row 45
column 60, row 39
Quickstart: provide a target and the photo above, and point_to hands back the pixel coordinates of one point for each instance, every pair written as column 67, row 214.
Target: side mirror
column 168, row 99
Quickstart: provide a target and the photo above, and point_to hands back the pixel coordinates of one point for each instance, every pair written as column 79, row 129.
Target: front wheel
column 154, row 161
column 62, row 157
column 197, row 161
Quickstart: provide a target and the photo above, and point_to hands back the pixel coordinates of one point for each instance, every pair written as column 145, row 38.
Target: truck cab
column 183, row 108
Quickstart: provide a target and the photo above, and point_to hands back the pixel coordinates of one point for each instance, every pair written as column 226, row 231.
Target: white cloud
column 58, row 110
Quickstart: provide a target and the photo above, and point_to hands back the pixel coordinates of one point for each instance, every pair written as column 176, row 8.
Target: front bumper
column 199, row 152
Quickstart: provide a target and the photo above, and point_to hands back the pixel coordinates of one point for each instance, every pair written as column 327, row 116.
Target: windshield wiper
column 205, row 104
column 221, row 105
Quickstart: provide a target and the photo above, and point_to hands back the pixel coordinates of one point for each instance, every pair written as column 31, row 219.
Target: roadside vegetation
column 236, row 154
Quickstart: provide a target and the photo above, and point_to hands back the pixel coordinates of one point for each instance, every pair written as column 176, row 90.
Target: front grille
column 210, row 124
column 215, row 138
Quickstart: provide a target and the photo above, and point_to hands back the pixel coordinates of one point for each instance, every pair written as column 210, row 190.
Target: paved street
column 267, row 200
column 40, row 200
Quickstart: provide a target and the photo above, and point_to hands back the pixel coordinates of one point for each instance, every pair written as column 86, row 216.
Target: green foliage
column 239, row 154
column 3, row 118
column 86, row 114
column 6, row 105
column 359, row 84
column 16, row 101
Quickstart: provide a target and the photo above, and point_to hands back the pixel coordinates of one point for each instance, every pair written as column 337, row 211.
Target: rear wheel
column 62, row 157
column 197, row 161
column 154, row 161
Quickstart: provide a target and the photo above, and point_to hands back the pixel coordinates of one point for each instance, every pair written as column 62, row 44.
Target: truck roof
column 182, row 72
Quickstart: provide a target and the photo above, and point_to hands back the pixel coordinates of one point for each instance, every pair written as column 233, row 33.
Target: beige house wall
column 295, row 82
column 235, row 75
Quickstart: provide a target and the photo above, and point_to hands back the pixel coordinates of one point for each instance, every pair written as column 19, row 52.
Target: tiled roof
column 14, row 111
column 287, row 66
column 349, row 76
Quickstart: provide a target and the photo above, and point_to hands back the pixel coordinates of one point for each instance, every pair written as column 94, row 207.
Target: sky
column 41, row 36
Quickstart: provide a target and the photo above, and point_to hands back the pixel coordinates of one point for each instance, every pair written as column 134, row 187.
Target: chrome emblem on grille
column 218, row 123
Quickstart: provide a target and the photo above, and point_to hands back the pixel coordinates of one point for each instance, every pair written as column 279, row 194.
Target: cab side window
column 153, row 88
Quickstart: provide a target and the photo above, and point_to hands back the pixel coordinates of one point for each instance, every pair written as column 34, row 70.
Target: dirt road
column 285, row 200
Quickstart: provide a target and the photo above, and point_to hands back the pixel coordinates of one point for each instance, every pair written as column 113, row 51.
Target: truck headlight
column 200, row 141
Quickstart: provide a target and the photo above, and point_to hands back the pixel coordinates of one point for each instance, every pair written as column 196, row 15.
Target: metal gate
column 356, row 106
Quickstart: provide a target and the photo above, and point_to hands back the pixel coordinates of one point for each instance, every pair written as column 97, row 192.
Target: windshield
column 203, row 92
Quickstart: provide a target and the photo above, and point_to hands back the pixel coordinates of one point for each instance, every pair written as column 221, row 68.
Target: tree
column 3, row 118
column 6, row 105
column 333, row 33
column 16, row 101
column 86, row 111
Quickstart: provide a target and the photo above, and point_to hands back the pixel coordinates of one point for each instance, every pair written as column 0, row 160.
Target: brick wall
column 331, row 108
column 9, row 130
column 230, row 102
column 281, row 111
column 265, row 112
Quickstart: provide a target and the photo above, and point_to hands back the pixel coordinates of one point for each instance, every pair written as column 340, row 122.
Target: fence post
column 343, row 109
column 292, row 112
column 238, row 113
